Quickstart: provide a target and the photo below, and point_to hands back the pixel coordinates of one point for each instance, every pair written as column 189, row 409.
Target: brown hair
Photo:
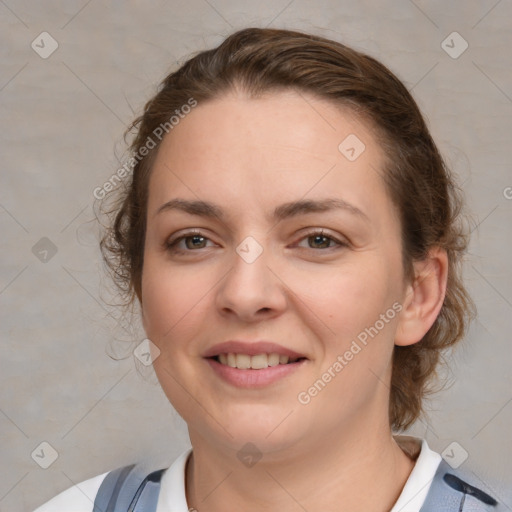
column 428, row 201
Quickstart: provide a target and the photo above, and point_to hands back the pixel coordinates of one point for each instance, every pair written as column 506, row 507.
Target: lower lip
column 254, row 378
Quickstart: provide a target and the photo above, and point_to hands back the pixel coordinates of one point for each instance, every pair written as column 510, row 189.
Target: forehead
column 263, row 151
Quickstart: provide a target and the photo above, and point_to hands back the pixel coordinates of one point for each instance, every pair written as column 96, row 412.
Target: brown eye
column 196, row 241
column 320, row 240
column 193, row 240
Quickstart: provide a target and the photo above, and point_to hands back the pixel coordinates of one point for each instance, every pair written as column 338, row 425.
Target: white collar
column 418, row 484
column 172, row 487
column 173, row 497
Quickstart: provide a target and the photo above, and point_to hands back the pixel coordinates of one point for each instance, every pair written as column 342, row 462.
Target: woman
column 292, row 236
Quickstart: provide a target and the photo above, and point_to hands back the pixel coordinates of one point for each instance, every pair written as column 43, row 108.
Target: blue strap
column 129, row 489
column 146, row 497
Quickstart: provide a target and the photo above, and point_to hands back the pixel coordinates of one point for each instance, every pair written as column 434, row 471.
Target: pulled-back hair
column 429, row 203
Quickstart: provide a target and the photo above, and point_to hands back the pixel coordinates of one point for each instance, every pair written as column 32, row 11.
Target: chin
column 267, row 439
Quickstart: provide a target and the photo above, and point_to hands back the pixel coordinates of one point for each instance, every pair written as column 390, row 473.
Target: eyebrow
column 284, row 211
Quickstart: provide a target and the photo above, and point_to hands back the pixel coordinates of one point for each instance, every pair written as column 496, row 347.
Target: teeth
column 273, row 359
column 243, row 361
column 258, row 362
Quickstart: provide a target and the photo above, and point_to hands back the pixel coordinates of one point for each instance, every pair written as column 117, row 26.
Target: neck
column 328, row 474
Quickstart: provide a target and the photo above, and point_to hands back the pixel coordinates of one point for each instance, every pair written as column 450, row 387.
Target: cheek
column 357, row 305
column 174, row 316
column 171, row 301
column 348, row 298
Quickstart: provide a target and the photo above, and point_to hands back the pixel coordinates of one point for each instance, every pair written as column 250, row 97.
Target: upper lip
column 250, row 348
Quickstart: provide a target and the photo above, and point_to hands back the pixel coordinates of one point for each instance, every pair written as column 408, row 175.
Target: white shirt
column 172, row 497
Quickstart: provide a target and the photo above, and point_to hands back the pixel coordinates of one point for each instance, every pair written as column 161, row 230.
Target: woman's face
column 256, row 268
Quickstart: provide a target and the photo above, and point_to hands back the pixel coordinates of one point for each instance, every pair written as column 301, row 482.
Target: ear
column 423, row 297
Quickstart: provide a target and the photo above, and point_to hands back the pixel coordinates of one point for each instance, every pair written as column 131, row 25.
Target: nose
column 251, row 290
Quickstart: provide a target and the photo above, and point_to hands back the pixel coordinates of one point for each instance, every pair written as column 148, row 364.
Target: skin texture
column 309, row 294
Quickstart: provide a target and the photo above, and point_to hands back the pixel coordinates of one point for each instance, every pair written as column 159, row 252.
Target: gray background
column 62, row 120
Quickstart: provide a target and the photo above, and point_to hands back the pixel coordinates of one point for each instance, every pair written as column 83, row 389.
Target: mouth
column 255, row 362
column 253, row 365
column 254, row 371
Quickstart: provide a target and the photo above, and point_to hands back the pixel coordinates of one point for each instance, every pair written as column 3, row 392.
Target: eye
column 193, row 240
column 318, row 239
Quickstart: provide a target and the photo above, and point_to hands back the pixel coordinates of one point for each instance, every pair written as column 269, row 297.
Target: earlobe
column 424, row 297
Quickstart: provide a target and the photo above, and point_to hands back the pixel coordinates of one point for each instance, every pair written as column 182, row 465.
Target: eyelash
column 171, row 245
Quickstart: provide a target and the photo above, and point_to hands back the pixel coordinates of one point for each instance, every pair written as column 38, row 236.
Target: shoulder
column 123, row 483
column 79, row 497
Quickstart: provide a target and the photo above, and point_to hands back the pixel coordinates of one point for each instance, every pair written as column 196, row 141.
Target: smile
column 249, row 372
column 256, row 362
